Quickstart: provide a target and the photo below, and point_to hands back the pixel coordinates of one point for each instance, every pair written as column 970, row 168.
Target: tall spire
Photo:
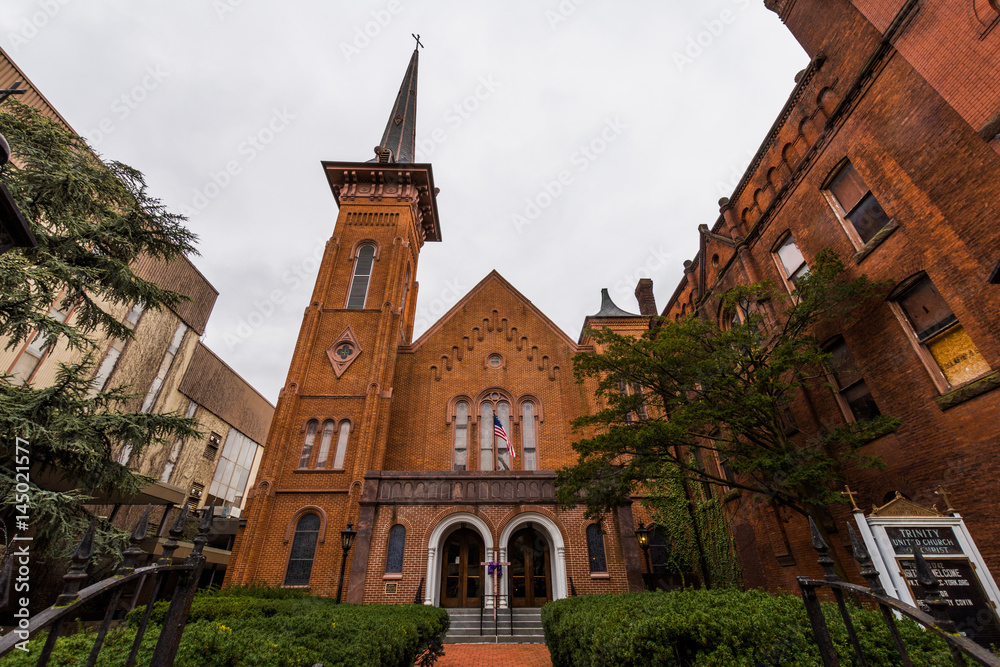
column 400, row 137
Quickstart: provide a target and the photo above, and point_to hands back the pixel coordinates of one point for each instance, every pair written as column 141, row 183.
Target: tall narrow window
column 791, row 261
column 338, row 459
column 36, row 349
column 324, row 445
column 486, row 436
column 461, row 435
column 857, row 205
column 503, row 456
column 938, row 333
column 307, row 446
column 300, row 561
column 233, row 470
column 394, row 551
column 528, row 436
column 641, row 411
column 402, row 305
column 362, row 276
column 855, row 398
column 595, row 549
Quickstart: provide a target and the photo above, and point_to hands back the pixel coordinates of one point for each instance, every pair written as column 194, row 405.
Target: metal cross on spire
column 417, row 37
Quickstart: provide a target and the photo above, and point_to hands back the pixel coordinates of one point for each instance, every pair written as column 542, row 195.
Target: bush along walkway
column 269, row 628
column 699, row 628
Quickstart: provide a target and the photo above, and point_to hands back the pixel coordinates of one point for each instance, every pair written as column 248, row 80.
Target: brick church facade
column 887, row 152
column 398, row 435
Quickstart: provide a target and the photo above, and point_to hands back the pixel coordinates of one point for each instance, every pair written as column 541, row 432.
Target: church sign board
column 893, row 530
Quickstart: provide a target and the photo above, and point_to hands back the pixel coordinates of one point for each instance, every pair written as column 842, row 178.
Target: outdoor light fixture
column 346, row 541
column 14, row 230
column 642, row 534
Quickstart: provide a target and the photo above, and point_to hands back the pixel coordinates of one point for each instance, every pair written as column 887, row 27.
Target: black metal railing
column 73, row 598
column 496, row 597
column 937, row 621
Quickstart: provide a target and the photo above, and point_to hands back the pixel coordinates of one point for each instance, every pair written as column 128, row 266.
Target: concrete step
column 465, row 626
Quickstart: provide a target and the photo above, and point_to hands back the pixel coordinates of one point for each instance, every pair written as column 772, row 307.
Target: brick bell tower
column 332, row 415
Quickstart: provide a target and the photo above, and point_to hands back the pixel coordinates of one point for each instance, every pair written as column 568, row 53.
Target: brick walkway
column 495, row 655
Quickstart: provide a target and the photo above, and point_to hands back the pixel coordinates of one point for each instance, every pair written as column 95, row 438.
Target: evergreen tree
column 690, row 391
column 92, row 221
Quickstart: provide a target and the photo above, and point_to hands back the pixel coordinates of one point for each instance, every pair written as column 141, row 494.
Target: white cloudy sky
column 515, row 89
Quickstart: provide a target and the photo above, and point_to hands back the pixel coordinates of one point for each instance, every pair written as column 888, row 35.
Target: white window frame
column 780, row 265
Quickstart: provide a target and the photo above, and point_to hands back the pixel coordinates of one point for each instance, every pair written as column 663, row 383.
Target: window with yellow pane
column 941, row 339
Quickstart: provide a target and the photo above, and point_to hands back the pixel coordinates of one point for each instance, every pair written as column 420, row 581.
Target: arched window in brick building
column 528, row 436
column 362, row 276
column 595, row 549
column 461, row 435
column 324, row 445
column 307, row 446
column 492, row 449
column 300, row 561
column 394, row 551
column 338, row 458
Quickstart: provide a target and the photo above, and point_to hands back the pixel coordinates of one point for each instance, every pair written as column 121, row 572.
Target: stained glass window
column 303, row 550
column 595, row 548
column 394, row 557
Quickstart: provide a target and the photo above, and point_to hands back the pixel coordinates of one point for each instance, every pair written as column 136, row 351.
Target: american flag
column 502, row 434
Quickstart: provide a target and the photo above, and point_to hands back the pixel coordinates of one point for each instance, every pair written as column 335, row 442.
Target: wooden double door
column 530, row 568
column 462, row 574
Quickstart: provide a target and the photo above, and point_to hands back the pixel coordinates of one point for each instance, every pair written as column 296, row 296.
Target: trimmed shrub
column 269, row 628
column 717, row 628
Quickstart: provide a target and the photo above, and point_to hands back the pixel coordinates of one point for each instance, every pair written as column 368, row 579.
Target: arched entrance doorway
column 461, row 572
column 530, row 568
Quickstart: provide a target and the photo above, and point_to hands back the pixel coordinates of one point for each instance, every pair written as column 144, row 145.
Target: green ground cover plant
column 257, row 626
column 716, row 628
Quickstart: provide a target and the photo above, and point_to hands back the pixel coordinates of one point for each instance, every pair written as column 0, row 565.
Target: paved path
column 495, row 655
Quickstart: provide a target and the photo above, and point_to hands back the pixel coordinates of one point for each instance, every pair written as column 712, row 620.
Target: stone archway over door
column 435, row 549
column 545, row 530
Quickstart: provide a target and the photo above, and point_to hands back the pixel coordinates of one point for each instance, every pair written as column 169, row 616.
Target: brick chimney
column 644, row 295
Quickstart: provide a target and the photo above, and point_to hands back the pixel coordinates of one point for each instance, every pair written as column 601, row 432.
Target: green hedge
column 269, row 629
column 719, row 628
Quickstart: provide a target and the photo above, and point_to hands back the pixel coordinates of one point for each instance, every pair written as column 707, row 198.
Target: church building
column 441, row 450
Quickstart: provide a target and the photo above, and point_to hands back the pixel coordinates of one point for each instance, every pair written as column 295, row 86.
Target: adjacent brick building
column 886, row 153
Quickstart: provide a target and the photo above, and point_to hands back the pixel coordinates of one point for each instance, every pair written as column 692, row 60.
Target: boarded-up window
column 303, row 550
column 595, row 548
column 394, row 552
column 937, row 328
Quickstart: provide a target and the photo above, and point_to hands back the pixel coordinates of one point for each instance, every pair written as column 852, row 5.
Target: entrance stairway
column 465, row 627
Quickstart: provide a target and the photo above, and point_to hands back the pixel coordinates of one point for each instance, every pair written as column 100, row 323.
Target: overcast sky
column 648, row 110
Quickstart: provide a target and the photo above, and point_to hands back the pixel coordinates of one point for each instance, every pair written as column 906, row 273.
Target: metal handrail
column 937, row 621
column 72, row 597
column 510, row 610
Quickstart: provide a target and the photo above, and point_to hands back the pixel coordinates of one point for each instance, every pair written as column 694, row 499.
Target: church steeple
column 399, row 139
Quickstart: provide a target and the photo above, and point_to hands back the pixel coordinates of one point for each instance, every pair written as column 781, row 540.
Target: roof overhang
column 391, row 181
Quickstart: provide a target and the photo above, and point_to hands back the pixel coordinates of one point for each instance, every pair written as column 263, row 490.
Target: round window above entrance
column 494, row 361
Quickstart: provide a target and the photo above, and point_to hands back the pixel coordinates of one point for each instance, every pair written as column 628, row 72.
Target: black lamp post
column 642, row 534
column 346, row 540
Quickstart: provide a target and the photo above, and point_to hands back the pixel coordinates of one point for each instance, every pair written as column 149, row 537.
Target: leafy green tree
column 92, row 220
column 688, row 391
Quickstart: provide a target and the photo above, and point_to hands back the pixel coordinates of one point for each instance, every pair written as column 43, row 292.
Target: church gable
column 493, row 341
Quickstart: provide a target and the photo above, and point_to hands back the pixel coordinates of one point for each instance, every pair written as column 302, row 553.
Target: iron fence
column 936, row 621
column 73, row 598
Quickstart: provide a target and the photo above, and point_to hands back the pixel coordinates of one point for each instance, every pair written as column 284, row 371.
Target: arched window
column 493, row 454
column 324, row 445
column 303, row 550
column 362, row 276
column 307, row 447
column 595, row 549
column 394, row 552
column 528, row 436
column 461, row 435
column 338, row 459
